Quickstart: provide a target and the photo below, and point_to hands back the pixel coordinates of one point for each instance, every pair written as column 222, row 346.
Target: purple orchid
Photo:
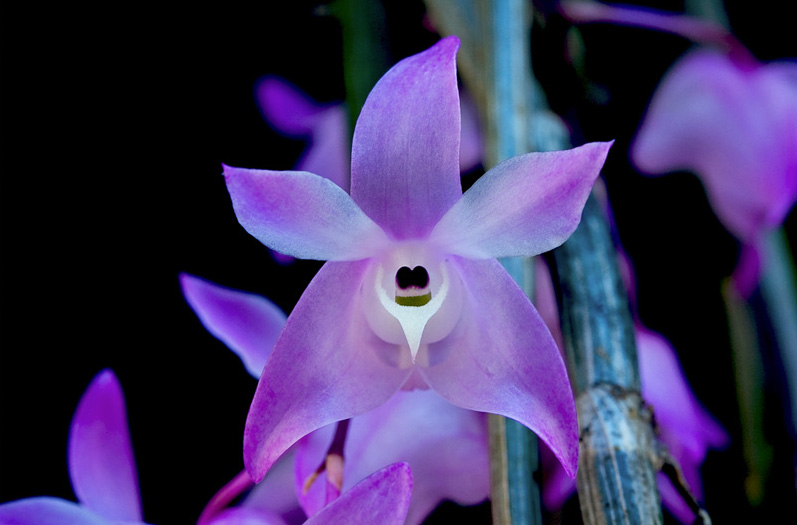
column 446, row 446
column 688, row 429
column 733, row 122
column 412, row 296
column 383, row 497
column 101, row 466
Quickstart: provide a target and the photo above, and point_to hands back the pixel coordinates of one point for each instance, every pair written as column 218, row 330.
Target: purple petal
column 735, row 126
column 328, row 153
column 276, row 493
column 326, row 366
column 47, row 511
column 383, row 497
column 506, row 362
column 470, row 149
column 405, row 151
column 524, row 206
column 286, row 107
column 247, row 323
column 445, row 445
column 247, row 516
column 686, row 427
column 301, row 214
column 101, row 462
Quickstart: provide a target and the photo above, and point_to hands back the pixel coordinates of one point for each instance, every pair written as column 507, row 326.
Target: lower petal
column 327, row 366
column 47, row 511
column 383, row 497
column 503, row 360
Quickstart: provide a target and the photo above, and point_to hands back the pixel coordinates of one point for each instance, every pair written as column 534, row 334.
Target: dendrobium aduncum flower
column 383, row 497
column 733, row 122
column 446, row 446
column 101, row 467
column 412, row 295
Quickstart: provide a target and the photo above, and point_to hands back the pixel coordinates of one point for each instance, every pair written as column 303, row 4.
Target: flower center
column 412, row 297
column 411, row 286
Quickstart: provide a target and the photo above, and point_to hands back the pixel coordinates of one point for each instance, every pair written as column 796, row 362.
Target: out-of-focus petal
column 326, row 366
column 47, row 511
column 383, row 497
column 526, row 205
column 470, row 145
column 301, row 214
column 328, row 153
column 247, row 323
column 286, row 107
column 405, row 151
column 276, row 493
column 446, row 447
column 101, row 463
column 686, row 427
column 247, row 516
column 505, row 361
column 735, row 126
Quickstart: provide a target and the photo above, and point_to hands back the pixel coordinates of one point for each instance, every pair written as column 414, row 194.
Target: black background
column 115, row 121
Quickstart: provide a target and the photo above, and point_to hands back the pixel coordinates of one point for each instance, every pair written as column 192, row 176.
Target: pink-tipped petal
column 101, row 462
column 383, row 497
column 505, row 361
column 302, row 215
column 735, row 126
column 405, row 151
column 328, row 153
column 247, row 323
column 47, row 511
column 524, row 206
column 445, row 445
column 326, row 366
column 286, row 107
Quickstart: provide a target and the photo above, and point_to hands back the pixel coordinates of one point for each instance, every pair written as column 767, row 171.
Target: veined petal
column 326, row 366
column 47, row 511
column 383, row 497
column 735, row 126
column 302, row 215
column 286, row 107
column 247, row 323
column 405, row 151
column 526, row 205
column 101, row 462
column 505, row 361
column 445, row 445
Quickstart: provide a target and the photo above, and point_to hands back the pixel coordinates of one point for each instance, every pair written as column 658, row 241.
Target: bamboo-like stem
column 616, row 476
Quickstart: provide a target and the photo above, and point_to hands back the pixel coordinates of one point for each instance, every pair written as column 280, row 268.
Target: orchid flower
column 293, row 113
column 413, row 296
column 733, row 122
column 687, row 428
column 446, row 446
column 101, row 467
column 383, row 497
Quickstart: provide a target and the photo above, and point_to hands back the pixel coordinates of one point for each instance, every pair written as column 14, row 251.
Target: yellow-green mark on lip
column 413, row 300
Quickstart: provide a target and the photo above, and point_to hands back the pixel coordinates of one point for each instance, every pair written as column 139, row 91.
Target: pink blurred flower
column 101, row 466
column 733, row 122
column 413, row 296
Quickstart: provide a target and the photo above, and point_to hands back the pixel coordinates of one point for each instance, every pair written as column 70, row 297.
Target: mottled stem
column 616, row 476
